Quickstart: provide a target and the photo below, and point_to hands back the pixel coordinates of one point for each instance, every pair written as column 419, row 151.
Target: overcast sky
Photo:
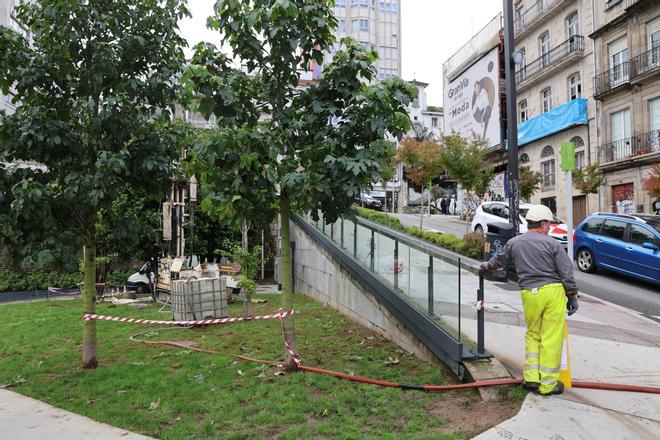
column 431, row 31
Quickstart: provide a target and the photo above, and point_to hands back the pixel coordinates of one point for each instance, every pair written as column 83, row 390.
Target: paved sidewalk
column 24, row 418
column 607, row 343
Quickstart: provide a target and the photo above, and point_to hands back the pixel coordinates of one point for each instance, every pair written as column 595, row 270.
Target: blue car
column 628, row 244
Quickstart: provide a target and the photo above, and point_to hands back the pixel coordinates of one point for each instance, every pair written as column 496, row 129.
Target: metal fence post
column 355, row 239
column 342, row 233
column 332, row 232
column 480, row 316
column 395, row 267
column 372, row 250
column 430, row 279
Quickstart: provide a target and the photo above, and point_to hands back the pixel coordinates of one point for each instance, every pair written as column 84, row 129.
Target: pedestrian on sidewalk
column 443, row 207
column 548, row 289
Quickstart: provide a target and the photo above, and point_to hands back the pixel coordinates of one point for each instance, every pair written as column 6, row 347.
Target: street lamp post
column 511, row 117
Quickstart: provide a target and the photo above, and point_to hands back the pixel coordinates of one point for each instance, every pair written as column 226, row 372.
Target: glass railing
column 428, row 280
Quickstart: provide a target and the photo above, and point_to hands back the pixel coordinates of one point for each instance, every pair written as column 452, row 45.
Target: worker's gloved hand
column 483, row 268
column 572, row 306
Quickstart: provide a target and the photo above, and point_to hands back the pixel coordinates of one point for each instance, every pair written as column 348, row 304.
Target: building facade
column 8, row 19
column 626, row 38
column 376, row 25
column 554, row 85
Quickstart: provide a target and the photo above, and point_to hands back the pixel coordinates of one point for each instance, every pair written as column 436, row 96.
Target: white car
column 491, row 212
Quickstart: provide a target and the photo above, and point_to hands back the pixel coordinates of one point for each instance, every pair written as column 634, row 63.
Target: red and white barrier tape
column 278, row 315
column 293, row 355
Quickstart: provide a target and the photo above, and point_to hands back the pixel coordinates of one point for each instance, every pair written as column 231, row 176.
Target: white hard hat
column 539, row 212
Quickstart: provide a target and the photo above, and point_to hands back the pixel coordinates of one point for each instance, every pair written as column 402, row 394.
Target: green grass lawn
column 173, row 393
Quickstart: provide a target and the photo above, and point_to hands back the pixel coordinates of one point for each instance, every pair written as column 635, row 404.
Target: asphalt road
column 618, row 289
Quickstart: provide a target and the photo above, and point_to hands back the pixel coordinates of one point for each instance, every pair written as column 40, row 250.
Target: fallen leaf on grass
column 240, row 373
column 199, row 378
column 350, row 373
column 261, row 375
column 354, row 358
column 391, row 361
column 371, row 338
column 279, row 373
column 154, row 405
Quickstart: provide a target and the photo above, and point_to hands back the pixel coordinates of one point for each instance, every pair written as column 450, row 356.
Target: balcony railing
column 646, row 63
column 629, row 148
column 530, row 14
column 616, row 76
column 555, row 56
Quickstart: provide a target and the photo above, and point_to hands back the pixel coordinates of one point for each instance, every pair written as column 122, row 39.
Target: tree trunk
column 286, row 277
column 421, row 210
column 247, row 294
column 89, row 300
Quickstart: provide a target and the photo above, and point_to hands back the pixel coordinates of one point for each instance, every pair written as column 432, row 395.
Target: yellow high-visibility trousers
column 545, row 316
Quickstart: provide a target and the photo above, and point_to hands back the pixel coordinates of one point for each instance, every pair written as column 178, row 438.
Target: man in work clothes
column 545, row 275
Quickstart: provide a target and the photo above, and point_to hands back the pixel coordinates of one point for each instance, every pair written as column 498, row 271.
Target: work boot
column 558, row 389
column 532, row 386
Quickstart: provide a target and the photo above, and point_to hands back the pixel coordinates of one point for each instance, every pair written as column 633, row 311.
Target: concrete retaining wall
column 319, row 276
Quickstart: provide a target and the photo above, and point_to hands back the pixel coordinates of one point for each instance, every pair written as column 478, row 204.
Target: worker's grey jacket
column 539, row 260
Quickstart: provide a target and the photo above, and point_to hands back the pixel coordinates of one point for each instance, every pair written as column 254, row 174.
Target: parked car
column 492, row 212
column 369, row 202
column 628, row 244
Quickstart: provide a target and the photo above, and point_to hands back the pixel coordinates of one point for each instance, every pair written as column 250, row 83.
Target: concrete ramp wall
column 318, row 275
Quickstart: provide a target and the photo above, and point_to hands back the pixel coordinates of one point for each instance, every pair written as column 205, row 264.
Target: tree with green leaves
column 94, row 88
column 588, row 179
column 282, row 148
column 530, row 182
column 464, row 161
column 422, row 161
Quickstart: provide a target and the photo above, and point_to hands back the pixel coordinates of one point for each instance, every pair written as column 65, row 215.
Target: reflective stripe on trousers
column 545, row 316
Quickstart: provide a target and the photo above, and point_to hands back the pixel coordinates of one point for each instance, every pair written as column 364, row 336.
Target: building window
column 543, row 4
column 362, row 3
column 574, row 86
column 522, row 106
column 654, row 42
column 546, row 99
column 548, row 173
column 364, row 25
column 388, row 5
column 572, row 26
column 547, row 151
column 579, row 160
column 342, row 25
column 577, row 141
column 544, row 49
column 524, row 158
column 434, row 122
column 618, row 52
column 620, row 124
column 654, row 113
column 340, row 3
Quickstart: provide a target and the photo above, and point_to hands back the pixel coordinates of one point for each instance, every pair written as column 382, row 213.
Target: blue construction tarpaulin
column 565, row 116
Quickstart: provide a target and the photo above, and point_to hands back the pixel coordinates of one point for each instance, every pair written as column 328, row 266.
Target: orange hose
column 385, row 383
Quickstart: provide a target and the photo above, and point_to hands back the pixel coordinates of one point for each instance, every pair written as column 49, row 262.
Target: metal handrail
column 532, row 13
column 630, row 147
column 647, row 62
column 614, row 77
column 555, row 56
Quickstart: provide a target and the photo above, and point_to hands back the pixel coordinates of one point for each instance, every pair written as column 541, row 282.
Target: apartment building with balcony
column 554, row 86
column 626, row 40
column 376, row 25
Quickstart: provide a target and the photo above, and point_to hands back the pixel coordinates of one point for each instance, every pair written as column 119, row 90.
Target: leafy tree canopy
column 652, row 182
column 588, row 179
column 94, row 87
column 422, row 159
column 464, row 160
column 530, row 182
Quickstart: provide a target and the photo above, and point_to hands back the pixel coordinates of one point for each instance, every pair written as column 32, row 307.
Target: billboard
column 472, row 103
